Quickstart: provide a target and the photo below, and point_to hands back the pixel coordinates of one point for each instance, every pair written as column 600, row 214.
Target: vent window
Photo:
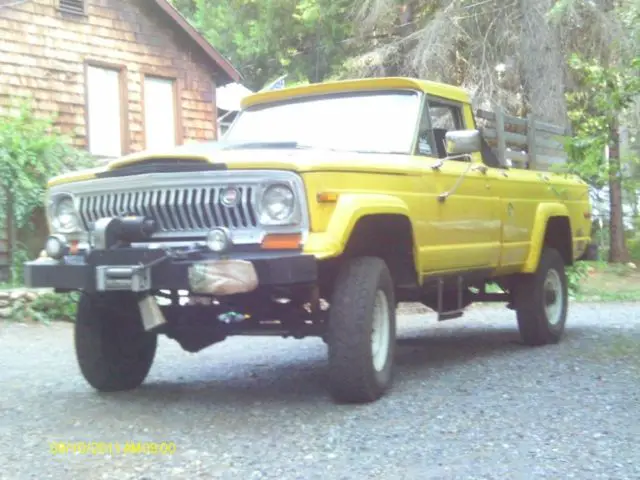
column 74, row 7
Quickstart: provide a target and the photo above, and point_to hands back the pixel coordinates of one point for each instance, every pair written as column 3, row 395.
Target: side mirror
column 463, row 142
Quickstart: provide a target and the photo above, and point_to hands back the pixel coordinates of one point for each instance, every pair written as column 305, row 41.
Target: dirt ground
column 610, row 283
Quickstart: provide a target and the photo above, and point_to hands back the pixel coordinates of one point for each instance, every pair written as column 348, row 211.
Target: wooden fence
column 525, row 143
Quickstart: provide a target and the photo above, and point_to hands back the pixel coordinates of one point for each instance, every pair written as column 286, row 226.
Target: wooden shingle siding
column 44, row 51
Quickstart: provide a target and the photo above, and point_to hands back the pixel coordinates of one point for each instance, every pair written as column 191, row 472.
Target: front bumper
column 102, row 270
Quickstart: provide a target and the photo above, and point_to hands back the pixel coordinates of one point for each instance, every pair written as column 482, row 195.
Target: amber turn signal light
column 327, row 197
column 281, row 241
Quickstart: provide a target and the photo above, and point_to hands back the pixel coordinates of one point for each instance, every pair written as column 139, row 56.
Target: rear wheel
column 113, row 350
column 362, row 331
column 541, row 301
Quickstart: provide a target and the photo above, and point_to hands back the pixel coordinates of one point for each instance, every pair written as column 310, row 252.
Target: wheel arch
column 389, row 236
column 552, row 228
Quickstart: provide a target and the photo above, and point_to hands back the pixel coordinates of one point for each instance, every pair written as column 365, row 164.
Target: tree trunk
column 618, row 252
column 395, row 66
column 542, row 64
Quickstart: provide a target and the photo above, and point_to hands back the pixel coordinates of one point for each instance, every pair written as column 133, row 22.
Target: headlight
column 277, row 206
column 218, row 240
column 64, row 216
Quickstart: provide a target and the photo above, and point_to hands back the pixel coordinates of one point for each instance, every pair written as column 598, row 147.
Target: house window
column 104, row 111
column 74, row 7
column 160, row 116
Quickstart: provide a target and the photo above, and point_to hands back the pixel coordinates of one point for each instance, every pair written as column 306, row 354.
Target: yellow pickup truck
column 321, row 209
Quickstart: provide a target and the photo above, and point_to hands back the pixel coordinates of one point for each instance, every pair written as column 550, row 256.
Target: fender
column 543, row 213
column 350, row 208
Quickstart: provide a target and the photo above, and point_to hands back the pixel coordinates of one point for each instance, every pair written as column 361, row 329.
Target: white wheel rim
column 380, row 332
column 552, row 297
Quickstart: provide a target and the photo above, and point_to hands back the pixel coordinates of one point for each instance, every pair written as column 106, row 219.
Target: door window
column 437, row 119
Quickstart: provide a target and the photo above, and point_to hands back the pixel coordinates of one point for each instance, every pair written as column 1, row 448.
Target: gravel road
column 468, row 403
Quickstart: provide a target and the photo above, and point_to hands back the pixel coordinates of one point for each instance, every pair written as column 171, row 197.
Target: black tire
column 113, row 350
column 353, row 377
column 531, row 298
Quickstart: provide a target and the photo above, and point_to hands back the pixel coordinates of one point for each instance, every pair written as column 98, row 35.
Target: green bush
column 31, row 152
column 47, row 308
column 576, row 274
column 18, row 258
column 634, row 248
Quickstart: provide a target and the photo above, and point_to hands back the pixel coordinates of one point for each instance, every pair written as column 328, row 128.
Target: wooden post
column 11, row 233
column 502, row 144
column 531, row 142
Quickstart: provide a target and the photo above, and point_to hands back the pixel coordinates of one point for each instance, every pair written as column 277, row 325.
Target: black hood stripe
column 168, row 165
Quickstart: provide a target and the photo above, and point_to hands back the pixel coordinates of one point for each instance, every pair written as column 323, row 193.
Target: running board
column 448, row 295
column 450, row 314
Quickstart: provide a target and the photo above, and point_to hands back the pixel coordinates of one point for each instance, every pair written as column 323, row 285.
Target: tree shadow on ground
column 301, row 381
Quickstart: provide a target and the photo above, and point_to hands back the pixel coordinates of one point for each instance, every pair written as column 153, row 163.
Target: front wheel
column 541, row 301
column 113, row 350
column 362, row 331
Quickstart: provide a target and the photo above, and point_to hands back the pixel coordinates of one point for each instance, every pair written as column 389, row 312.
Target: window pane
column 443, row 117
column 159, row 113
column 104, row 108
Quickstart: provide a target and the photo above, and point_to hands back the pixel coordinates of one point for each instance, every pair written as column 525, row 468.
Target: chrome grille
column 190, row 210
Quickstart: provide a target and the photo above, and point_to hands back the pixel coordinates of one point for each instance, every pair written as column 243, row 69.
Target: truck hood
column 292, row 159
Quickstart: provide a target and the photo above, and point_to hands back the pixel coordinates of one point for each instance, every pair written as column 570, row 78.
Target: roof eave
column 216, row 57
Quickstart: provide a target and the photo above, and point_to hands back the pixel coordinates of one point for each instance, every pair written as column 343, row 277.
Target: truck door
column 463, row 229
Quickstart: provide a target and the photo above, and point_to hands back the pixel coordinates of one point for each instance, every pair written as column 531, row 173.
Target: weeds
column 46, row 308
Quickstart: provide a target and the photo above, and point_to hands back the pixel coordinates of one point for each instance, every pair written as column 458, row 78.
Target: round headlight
column 55, row 246
column 277, row 205
column 64, row 216
column 218, row 240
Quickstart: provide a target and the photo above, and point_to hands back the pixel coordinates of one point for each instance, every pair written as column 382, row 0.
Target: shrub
column 47, row 307
column 31, row 152
column 634, row 248
column 576, row 274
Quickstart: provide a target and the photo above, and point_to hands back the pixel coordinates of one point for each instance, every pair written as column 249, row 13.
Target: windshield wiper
column 285, row 145
column 381, row 152
column 299, row 146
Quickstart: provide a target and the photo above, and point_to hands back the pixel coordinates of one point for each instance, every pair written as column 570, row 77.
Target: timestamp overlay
column 101, row 448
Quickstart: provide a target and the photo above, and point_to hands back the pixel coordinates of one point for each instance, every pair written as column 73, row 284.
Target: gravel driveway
column 468, row 402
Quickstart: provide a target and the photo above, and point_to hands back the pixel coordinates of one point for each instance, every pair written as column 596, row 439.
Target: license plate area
column 132, row 278
column 222, row 277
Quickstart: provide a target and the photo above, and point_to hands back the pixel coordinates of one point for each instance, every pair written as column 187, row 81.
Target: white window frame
column 105, row 118
column 151, row 114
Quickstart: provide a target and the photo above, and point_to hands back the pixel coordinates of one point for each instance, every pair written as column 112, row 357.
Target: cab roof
column 381, row 83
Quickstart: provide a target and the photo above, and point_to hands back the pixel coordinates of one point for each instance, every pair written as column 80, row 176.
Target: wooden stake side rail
column 524, row 143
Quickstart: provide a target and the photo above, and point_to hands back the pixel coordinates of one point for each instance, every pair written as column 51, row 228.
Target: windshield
column 381, row 122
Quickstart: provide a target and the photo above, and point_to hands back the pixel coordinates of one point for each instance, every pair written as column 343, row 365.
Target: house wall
column 44, row 53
